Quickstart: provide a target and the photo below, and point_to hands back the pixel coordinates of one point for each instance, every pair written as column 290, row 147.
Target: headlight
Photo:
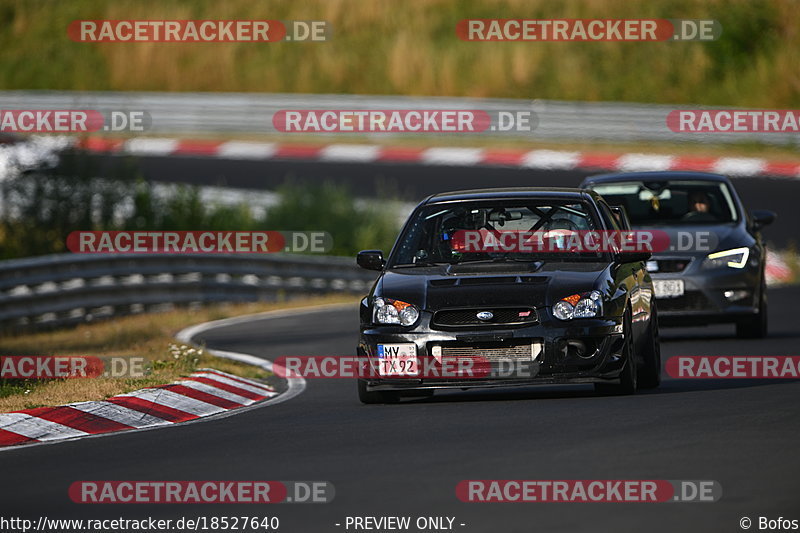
column 586, row 305
column 388, row 311
column 736, row 258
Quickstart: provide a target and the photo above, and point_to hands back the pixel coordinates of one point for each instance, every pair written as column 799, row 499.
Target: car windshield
column 436, row 233
column 653, row 203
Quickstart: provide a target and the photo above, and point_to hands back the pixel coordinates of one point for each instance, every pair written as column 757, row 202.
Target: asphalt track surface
column 406, row 459
column 413, row 182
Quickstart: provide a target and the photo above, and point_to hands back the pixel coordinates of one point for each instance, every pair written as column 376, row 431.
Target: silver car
column 713, row 269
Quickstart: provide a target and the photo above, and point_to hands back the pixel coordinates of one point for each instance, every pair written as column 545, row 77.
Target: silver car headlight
column 389, row 311
column 586, row 305
column 735, row 258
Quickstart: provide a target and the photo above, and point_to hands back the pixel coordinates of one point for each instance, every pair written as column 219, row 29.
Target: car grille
column 469, row 317
column 517, row 359
column 671, row 265
column 690, row 301
column 489, row 352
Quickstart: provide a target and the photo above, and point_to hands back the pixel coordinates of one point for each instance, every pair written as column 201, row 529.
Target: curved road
column 406, row 459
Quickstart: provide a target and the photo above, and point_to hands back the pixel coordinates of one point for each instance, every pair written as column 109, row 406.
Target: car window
column 433, row 232
column 671, row 202
column 609, row 216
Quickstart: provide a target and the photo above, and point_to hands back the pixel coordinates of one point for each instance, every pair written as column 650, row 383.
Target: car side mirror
column 632, row 257
column 762, row 217
column 370, row 259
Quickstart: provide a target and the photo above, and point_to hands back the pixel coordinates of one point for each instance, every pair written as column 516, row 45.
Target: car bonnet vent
column 494, row 280
column 489, row 281
column 534, row 279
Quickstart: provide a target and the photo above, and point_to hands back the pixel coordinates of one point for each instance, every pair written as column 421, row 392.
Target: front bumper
column 579, row 351
column 704, row 300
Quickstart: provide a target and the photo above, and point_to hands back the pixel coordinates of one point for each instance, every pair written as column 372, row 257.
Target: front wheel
column 755, row 327
column 650, row 375
column 629, row 379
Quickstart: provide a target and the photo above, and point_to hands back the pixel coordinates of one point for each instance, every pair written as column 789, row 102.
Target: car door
column 633, row 275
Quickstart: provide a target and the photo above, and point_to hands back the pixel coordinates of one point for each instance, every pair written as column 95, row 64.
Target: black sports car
column 713, row 270
column 511, row 316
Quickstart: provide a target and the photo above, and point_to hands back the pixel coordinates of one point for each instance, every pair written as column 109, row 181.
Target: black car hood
column 434, row 288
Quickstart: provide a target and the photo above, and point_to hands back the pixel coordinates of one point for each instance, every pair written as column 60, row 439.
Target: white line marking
column 739, row 166
column 550, row 159
column 246, row 150
column 219, row 393
column 233, row 383
column 176, row 401
column 37, row 428
column 452, row 156
column 186, row 335
column 633, row 162
column 361, row 153
column 150, row 146
column 119, row 413
column 234, row 377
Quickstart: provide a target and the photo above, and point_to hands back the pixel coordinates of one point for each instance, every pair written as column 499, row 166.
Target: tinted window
column 673, row 202
column 429, row 234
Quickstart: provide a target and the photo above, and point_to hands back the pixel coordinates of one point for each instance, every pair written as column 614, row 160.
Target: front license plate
column 398, row 360
column 668, row 288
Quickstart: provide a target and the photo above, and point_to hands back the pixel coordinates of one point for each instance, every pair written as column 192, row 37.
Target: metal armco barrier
column 63, row 289
column 228, row 113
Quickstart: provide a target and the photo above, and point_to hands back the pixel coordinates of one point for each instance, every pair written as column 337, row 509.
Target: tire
column 629, row 378
column 373, row 397
column 650, row 374
column 756, row 327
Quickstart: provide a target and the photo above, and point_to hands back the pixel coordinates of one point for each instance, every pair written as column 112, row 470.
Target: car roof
column 660, row 175
column 510, row 192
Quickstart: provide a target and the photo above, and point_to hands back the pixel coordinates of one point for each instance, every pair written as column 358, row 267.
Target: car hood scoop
column 435, row 289
column 477, row 291
column 482, row 280
column 442, row 292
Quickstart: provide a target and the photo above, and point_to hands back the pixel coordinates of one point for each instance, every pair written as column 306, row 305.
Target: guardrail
column 63, row 289
column 227, row 113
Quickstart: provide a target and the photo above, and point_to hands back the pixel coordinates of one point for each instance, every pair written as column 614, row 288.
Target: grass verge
column 149, row 336
column 412, row 48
